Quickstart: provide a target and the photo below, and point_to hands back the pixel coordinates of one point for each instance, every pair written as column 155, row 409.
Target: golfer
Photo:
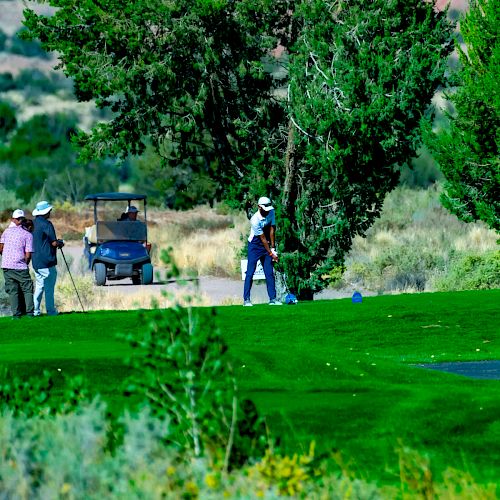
column 16, row 245
column 261, row 246
column 45, row 245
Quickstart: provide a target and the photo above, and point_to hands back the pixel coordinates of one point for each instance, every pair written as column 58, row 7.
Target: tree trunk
column 289, row 186
column 306, row 294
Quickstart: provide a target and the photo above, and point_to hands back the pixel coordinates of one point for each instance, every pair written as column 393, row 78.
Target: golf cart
column 118, row 248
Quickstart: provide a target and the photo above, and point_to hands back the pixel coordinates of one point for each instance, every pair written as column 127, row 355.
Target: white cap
column 265, row 203
column 18, row 214
column 131, row 209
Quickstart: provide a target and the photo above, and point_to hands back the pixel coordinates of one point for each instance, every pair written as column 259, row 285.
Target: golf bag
column 282, row 291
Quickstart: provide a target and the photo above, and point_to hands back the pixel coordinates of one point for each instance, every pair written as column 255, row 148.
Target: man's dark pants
column 19, row 285
column 256, row 252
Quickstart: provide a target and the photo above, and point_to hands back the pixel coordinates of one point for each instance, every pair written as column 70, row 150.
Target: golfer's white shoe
column 275, row 303
column 247, row 303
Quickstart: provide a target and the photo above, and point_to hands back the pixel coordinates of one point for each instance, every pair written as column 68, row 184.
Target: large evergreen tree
column 468, row 150
column 361, row 76
column 189, row 77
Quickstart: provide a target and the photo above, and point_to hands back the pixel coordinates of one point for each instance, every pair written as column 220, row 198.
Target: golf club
column 72, row 281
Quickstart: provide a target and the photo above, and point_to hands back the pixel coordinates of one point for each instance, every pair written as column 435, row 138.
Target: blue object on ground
column 290, row 299
column 357, row 298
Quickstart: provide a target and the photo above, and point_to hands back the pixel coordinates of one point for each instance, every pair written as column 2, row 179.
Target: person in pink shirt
column 16, row 247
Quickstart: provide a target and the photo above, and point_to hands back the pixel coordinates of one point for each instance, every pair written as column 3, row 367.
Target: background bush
column 470, row 272
column 416, row 243
column 27, row 48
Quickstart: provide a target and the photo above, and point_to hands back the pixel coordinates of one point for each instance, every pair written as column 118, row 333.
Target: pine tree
column 468, row 150
column 361, row 76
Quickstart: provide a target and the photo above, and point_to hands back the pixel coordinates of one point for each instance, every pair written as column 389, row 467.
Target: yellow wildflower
column 65, row 488
column 211, row 481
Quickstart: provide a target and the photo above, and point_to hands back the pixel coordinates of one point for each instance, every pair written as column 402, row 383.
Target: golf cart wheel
column 147, row 274
column 100, row 274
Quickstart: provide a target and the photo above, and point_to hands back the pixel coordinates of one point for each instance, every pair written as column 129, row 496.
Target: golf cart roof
column 115, row 197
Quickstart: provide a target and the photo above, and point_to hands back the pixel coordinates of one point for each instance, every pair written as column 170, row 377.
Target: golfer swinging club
column 261, row 246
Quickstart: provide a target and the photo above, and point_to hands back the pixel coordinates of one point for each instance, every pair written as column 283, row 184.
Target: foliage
column 3, row 40
column 8, row 121
column 361, row 76
column 422, row 172
column 35, row 80
column 195, row 79
column 64, row 457
column 6, row 82
column 186, row 77
column 471, row 272
column 8, row 203
column 39, row 160
column 468, row 151
column 28, row 48
column 40, row 396
column 289, row 474
column 183, row 185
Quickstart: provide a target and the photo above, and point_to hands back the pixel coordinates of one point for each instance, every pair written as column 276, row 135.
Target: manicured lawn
column 332, row 371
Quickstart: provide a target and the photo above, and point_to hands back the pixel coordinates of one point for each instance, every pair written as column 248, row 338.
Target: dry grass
column 202, row 240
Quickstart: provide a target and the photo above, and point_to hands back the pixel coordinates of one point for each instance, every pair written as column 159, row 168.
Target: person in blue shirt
column 261, row 247
column 44, row 260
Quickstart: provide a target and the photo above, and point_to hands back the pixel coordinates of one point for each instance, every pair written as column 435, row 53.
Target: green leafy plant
column 470, row 272
column 182, row 369
column 42, row 395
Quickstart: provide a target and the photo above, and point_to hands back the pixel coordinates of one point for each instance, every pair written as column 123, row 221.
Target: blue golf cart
column 118, row 248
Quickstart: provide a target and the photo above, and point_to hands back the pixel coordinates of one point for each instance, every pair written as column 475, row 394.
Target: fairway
column 338, row 373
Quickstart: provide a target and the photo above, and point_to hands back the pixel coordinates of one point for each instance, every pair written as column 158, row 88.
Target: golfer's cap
column 265, row 203
column 131, row 209
column 18, row 214
column 42, row 208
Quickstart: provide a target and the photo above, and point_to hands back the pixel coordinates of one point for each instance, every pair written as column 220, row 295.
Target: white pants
column 45, row 282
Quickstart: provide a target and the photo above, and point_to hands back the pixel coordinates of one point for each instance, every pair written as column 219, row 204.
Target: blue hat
column 42, row 208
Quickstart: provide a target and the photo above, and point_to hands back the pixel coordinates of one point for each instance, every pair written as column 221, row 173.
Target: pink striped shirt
column 16, row 242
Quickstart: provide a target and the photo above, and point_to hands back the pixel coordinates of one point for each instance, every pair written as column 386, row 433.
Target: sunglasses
column 266, row 204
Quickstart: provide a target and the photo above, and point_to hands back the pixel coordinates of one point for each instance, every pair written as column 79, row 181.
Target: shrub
column 8, row 120
column 38, row 395
column 8, row 202
column 3, row 40
column 34, row 79
column 7, row 82
column 65, row 456
column 470, row 272
column 27, row 48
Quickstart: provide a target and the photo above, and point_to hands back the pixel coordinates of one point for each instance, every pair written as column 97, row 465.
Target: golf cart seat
column 121, row 231
column 91, row 234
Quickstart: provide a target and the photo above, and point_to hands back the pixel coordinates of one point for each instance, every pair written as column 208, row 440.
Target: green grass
column 332, row 371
